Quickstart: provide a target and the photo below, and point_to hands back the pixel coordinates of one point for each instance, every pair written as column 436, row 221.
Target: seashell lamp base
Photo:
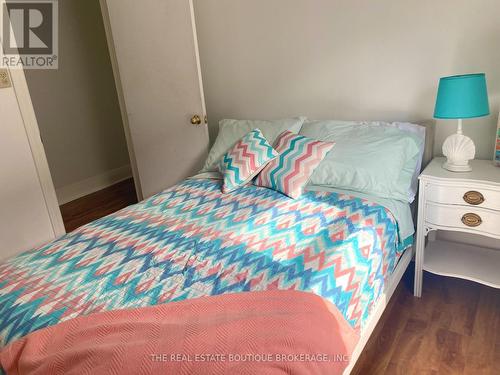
column 457, row 168
column 458, row 149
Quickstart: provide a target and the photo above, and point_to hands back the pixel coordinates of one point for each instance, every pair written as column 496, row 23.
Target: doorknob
column 196, row 120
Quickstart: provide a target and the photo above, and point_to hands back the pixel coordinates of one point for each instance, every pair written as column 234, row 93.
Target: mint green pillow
column 231, row 131
column 367, row 157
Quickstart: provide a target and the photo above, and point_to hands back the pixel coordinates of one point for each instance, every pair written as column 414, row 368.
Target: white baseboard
column 90, row 185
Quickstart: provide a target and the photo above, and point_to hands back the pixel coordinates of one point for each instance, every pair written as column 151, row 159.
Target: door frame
column 30, row 122
column 23, row 97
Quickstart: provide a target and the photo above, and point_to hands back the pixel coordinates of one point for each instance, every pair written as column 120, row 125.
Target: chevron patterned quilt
column 190, row 241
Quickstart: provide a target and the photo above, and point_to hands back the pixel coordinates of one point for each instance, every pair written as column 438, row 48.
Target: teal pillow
column 231, row 131
column 369, row 158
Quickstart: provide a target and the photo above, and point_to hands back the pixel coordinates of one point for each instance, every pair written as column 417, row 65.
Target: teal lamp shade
column 461, row 97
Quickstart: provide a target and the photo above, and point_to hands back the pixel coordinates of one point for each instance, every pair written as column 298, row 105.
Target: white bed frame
column 395, row 277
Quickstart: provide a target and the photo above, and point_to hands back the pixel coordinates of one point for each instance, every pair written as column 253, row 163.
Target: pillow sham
column 368, row 157
column 290, row 171
column 247, row 157
column 230, row 131
column 413, row 166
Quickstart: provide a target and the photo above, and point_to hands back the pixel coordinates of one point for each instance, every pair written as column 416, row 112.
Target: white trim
column 380, row 306
column 21, row 90
column 121, row 97
column 90, row 185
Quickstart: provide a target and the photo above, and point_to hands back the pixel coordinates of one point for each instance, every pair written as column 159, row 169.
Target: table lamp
column 461, row 97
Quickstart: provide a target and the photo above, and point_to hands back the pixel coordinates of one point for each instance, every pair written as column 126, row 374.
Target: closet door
column 29, row 214
column 154, row 51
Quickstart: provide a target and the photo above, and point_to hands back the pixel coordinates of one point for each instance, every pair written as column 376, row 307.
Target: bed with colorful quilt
column 193, row 242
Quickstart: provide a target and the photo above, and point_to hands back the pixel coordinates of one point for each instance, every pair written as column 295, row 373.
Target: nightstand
column 464, row 202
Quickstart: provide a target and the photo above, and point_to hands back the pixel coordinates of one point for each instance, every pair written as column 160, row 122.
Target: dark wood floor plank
column 462, row 305
column 378, row 351
column 496, row 350
column 453, row 329
column 441, row 350
column 408, row 343
column 428, row 357
column 452, row 352
column 481, row 346
column 96, row 205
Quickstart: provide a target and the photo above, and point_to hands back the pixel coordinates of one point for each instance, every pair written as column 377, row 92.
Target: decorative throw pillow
column 298, row 157
column 245, row 159
column 230, row 131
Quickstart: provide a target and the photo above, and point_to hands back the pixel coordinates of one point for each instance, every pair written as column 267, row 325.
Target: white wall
column 346, row 59
column 77, row 106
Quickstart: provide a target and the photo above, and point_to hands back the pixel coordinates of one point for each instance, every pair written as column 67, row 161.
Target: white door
column 154, row 52
column 29, row 214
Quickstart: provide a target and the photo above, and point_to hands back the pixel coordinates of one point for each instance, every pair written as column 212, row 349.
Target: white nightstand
column 465, row 202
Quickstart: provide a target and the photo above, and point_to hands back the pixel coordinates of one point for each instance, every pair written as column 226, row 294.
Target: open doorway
column 79, row 119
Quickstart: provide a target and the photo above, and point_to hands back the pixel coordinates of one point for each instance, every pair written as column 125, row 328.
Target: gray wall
column 77, row 106
column 345, row 59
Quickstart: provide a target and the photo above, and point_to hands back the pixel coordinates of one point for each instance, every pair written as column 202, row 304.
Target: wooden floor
column 453, row 329
column 98, row 204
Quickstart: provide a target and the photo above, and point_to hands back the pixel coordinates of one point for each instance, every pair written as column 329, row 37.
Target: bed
column 192, row 241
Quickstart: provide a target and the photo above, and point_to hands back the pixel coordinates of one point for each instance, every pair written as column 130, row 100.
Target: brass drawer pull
column 471, row 220
column 474, row 197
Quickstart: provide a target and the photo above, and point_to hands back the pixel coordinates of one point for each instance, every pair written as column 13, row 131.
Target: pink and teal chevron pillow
column 247, row 157
column 298, row 158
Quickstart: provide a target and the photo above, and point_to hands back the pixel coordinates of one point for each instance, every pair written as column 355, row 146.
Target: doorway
column 79, row 119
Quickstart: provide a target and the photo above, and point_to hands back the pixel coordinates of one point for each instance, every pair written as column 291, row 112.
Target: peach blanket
column 271, row 332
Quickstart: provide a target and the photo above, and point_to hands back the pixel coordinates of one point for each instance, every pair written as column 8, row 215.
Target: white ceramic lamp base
column 458, row 149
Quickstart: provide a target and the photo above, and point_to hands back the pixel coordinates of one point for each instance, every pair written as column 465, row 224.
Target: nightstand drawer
column 480, row 220
column 463, row 195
